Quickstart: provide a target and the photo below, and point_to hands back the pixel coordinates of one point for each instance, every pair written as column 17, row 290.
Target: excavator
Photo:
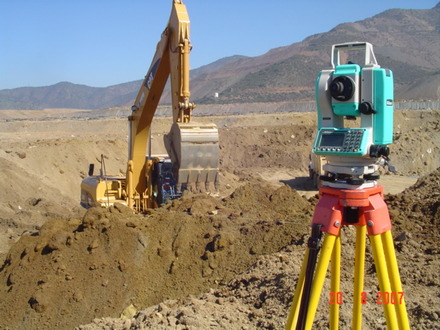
column 192, row 160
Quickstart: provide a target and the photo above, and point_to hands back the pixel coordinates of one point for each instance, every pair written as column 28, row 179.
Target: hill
column 67, row 95
column 405, row 41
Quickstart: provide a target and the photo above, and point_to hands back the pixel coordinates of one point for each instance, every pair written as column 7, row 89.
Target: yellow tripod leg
column 335, row 284
column 384, row 278
column 396, row 285
column 318, row 280
column 294, row 310
column 359, row 267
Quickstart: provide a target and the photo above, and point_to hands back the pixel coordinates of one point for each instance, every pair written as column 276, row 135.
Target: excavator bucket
column 193, row 149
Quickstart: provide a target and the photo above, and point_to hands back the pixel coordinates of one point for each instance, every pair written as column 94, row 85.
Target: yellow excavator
column 192, row 148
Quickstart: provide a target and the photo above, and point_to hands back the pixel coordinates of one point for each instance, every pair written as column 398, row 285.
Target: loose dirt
column 260, row 297
column 230, row 261
column 111, row 259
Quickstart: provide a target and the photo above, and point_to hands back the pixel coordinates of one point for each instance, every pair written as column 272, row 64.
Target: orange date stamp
column 381, row 298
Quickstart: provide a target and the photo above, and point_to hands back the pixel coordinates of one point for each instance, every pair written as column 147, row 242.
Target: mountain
column 405, row 41
column 216, row 65
column 67, row 95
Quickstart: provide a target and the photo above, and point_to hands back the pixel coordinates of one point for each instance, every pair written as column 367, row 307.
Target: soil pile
column 417, row 208
column 267, row 146
column 40, row 180
column 261, row 296
column 45, row 160
column 416, row 146
column 72, row 271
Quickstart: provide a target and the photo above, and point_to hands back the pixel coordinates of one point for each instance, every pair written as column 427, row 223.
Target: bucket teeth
column 199, row 179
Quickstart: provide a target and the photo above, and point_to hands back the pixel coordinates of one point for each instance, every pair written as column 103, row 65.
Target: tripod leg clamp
column 314, row 242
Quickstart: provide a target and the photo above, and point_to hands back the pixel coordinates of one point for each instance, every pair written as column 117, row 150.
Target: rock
column 93, row 245
column 38, row 302
column 124, row 209
column 401, row 237
column 78, row 296
column 122, row 266
column 128, row 312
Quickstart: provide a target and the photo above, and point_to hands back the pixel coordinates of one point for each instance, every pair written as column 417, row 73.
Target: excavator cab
column 164, row 184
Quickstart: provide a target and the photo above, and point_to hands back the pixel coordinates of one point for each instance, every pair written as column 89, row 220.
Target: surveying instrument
column 349, row 194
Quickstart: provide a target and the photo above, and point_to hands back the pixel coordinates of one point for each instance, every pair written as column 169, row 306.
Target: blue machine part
column 384, row 106
column 344, row 90
column 341, row 142
column 323, row 104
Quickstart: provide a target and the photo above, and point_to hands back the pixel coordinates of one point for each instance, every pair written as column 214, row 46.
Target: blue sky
column 106, row 42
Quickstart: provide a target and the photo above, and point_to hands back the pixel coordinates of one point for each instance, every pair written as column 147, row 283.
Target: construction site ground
column 229, row 260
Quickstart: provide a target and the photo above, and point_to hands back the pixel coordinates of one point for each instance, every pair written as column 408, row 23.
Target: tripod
column 365, row 209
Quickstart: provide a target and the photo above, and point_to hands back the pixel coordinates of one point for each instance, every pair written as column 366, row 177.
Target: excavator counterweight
column 192, row 148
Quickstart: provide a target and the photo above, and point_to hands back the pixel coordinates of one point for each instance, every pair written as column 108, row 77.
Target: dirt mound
column 47, row 159
column 97, row 266
column 417, row 208
column 267, row 146
column 260, row 297
column 40, row 179
column 416, row 146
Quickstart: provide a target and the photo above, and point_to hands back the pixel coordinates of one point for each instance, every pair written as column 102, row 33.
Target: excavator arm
column 193, row 148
